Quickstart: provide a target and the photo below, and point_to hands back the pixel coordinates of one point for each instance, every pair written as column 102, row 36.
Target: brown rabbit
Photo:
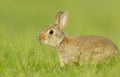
column 73, row 49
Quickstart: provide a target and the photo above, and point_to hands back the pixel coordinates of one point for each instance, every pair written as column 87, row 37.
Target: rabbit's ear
column 57, row 18
column 62, row 19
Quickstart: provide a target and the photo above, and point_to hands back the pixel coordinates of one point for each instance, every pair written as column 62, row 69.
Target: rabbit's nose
column 41, row 37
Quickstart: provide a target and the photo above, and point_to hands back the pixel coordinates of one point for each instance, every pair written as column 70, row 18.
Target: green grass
column 21, row 55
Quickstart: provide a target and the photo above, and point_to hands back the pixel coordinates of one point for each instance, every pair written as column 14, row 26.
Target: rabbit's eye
column 51, row 32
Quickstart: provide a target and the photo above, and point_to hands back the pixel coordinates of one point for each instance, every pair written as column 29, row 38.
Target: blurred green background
column 22, row 20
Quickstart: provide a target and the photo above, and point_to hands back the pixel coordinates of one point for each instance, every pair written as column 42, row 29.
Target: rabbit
column 76, row 49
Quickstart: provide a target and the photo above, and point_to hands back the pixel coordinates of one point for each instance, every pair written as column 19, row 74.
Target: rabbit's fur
column 72, row 49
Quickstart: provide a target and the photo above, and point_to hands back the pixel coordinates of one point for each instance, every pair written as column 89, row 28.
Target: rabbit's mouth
column 42, row 37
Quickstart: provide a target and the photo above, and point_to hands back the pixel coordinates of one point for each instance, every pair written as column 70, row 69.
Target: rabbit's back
column 92, row 48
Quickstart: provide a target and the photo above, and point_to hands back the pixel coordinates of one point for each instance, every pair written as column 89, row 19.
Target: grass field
column 21, row 55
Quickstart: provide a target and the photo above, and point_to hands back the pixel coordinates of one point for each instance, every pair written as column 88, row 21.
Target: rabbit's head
column 53, row 34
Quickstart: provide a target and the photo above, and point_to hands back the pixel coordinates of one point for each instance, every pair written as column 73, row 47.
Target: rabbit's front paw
column 62, row 64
